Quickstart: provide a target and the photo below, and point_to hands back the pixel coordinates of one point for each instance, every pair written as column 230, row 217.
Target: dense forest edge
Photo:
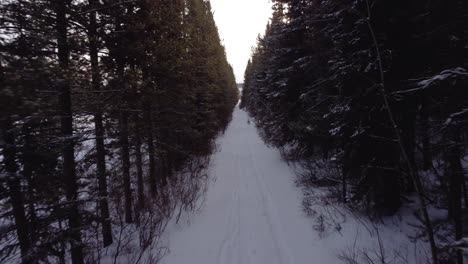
column 108, row 115
column 369, row 99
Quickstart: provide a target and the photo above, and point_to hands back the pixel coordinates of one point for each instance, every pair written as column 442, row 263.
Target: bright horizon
column 239, row 23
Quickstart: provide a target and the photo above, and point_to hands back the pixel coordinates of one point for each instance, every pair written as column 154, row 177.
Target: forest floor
column 253, row 212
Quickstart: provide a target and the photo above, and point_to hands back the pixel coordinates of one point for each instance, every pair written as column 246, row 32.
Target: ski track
column 253, row 210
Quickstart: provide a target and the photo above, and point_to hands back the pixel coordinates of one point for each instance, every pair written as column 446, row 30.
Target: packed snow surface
column 252, row 213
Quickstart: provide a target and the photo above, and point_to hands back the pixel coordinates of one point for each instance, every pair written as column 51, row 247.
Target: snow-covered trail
column 253, row 210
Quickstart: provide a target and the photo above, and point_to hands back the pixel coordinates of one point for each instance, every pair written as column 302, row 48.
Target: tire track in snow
column 244, row 221
column 283, row 249
column 225, row 253
column 225, row 244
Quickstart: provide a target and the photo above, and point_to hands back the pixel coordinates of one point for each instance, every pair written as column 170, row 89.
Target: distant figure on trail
column 248, row 121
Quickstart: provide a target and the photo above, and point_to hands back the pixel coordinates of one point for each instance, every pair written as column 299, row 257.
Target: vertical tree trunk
column 102, row 180
column 139, row 164
column 123, row 123
column 345, row 171
column 99, row 130
column 68, row 151
column 163, row 172
column 126, row 165
column 164, row 167
column 16, row 194
column 465, row 192
column 456, row 174
column 408, row 128
column 170, row 167
column 151, row 153
column 161, row 159
column 426, row 151
column 344, row 187
column 28, row 175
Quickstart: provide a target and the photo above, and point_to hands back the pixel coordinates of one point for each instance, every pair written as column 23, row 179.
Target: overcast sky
column 239, row 23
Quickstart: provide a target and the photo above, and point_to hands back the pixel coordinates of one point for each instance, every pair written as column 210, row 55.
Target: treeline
column 108, row 115
column 377, row 89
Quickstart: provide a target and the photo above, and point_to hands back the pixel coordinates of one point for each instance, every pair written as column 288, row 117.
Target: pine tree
column 101, row 171
column 364, row 85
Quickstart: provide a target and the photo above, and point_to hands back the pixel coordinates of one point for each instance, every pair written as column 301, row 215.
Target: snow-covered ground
column 253, row 213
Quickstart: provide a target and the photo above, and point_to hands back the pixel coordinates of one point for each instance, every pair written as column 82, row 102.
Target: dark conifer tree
column 364, row 85
column 100, row 99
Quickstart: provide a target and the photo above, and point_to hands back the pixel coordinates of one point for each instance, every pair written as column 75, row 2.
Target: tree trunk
column 426, row 151
column 415, row 178
column 27, row 160
column 345, row 171
column 151, row 154
column 164, row 168
column 456, row 174
column 465, row 192
column 126, row 165
column 344, row 188
column 139, row 164
column 16, row 194
column 102, row 179
column 99, row 130
column 68, row 151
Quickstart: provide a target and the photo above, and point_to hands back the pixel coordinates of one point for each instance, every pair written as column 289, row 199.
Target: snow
column 451, row 73
column 254, row 214
column 253, row 210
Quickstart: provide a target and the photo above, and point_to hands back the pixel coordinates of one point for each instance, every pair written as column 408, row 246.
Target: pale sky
column 239, row 23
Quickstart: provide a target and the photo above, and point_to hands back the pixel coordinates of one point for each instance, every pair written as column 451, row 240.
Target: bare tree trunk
column 123, row 125
column 124, row 146
column 16, row 194
column 426, row 151
column 164, row 168
column 346, row 170
column 27, row 173
column 99, row 130
column 164, row 161
column 151, row 152
column 344, row 187
column 139, row 164
column 68, row 151
column 102, row 180
column 456, row 174
column 465, row 194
